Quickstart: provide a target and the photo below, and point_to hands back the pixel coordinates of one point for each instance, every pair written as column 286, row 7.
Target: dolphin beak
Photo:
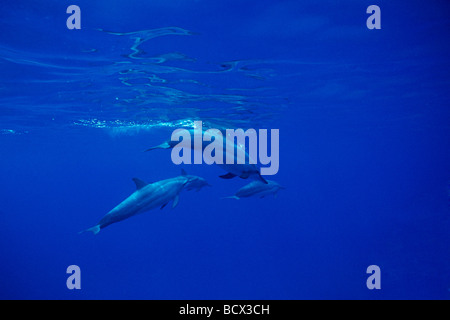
column 153, row 148
column 163, row 145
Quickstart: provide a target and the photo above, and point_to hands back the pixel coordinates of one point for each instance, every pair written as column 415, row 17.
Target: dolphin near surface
column 149, row 196
column 244, row 171
column 257, row 189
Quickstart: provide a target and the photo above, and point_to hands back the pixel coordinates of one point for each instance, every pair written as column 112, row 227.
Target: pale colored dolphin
column 257, row 189
column 148, row 196
column 244, row 171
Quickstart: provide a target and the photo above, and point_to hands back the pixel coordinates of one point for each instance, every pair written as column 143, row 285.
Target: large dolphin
column 244, row 171
column 147, row 197
column 257, row 189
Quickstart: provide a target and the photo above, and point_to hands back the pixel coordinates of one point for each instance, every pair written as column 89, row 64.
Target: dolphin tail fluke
column 232, row 197
column 94, row 230
column 164, row 145
column 228, row 176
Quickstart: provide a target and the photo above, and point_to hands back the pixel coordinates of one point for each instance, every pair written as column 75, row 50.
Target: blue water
column 364, row 124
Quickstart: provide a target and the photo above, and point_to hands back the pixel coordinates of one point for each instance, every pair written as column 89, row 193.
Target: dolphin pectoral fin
column 139, row 183
column 262, row 179
column 94, row 230
column 232, row 197
column 183, row 172
column 228, row 176
column 175, row 201
column 244, row 176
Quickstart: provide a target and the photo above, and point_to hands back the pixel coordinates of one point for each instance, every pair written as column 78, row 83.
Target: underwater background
column 364, row 122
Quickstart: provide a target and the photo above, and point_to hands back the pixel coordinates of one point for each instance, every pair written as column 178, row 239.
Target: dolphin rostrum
column 169, row 144
column 149, row 196
column 195, row 182
column 257, row 189
column 244, row 171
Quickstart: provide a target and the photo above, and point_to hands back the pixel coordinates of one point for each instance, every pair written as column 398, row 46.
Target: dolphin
column 244, row 171
column 147, row 197
column 257, row 188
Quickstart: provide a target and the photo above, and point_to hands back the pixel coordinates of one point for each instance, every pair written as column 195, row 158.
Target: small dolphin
column 147, row 197
column 244, row 171
column 257, row 188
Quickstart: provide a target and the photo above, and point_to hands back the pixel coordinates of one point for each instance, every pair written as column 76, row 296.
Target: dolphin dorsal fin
column 183, row 173
column 139, row 183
